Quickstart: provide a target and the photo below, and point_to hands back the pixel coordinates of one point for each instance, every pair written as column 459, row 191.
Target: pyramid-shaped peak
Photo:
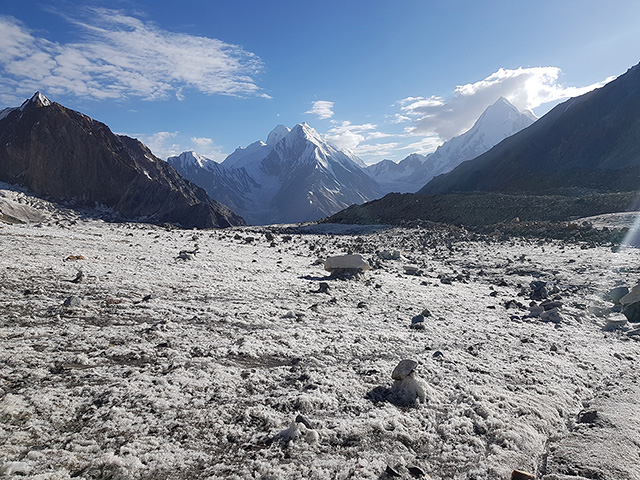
column 40, row 100
column 277, row 134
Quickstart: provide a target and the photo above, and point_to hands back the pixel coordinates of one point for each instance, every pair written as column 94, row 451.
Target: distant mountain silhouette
column 67, row 156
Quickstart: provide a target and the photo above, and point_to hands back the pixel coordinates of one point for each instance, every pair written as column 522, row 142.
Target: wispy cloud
column 322, row 108
column 526, row 88
column 119, row 56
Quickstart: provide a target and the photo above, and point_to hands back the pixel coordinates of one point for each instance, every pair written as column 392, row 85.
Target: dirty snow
column 230, row 363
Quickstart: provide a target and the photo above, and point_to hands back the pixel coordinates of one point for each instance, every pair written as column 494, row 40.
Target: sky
column 382, row 78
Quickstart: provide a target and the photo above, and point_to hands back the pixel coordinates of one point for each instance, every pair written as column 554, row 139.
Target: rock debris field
column 131, row 351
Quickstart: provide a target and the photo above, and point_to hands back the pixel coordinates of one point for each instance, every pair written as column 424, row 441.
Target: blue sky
column 383, row 78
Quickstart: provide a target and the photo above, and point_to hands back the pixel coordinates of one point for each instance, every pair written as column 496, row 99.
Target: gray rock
column 72, row 302
column 552, row 316
column 536, row 310
column 404, row 369
column 417, row 326
column 615, row 322
column 411, row 270
column 346, row 263
column 388, row 255
column 417, row 319
column 631, row 304
column 616, row 294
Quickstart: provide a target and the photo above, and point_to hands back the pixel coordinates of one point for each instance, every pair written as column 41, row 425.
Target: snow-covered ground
column 213, row 354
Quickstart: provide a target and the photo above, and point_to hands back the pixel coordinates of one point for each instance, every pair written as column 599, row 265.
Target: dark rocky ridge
column 64, row 155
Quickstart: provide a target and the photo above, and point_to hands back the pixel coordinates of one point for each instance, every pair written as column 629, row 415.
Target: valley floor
column 190, row 354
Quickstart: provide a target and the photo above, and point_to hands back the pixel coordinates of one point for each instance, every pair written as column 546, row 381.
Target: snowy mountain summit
column 295, row 176
column 499, row 121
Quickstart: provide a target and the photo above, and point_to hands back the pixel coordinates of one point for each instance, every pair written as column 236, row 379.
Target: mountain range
column 580, row 159
column 499, row 121
column 296, row 176
column 66, row 156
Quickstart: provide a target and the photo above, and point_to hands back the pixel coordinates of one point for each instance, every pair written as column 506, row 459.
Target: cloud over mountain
column 526, row 88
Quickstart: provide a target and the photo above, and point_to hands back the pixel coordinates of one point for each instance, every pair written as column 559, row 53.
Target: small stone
column 323, row 287
column 554, row 347
column 411, row 270
column 426, row 313
column 417, row 319
column 520, row 475
column 362, row 305
column 79, row 277
column 404, row 369
column 417, row 326
column 304, row 420
column 72, row 302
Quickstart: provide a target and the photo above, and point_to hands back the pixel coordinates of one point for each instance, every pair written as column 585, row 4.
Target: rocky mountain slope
column 62, row 154
column 499, row 121
column 295, row 176
column 590, row 142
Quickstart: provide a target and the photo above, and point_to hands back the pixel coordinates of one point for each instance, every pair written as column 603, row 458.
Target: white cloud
column 321, row 108
column 168, row 144
column 119, row 56
column 526, row 88
column 202, row 141
column 350, row 136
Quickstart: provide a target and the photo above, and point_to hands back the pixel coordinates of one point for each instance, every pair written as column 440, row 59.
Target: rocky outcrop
column 62, row 154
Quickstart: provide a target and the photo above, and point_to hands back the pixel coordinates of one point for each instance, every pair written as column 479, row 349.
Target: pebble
column 404, row 369
column 417, row 319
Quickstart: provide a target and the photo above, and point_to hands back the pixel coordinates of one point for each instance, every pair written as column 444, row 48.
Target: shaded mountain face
column 296, row 176
column 496, row 123
column 588, row 143
column 65, row 155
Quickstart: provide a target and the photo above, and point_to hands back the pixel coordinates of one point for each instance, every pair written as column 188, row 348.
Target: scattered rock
column 304, row 420
column 551, row 304
column 520, row 475
column 79, row 277
column 187, row 254
column 323, row 287
column 536, row 310
column 552, row 316
column 426, row 313
column 417, row 319
column 417, row 326
column 404, row 369
column 616, row 294
column 362, row 304
column 588, row 416
column 539, row 290
column 72, row 302
column 346, row 265
column 631, row 304
column 412, row 270
column 615, row 322
column 417, row 472
column 392, row 472
column 72, row 258
column 388, row 255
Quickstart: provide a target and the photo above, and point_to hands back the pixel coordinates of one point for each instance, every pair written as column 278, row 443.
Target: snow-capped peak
column 38, row 99
column 190, row 158
column 277, row 134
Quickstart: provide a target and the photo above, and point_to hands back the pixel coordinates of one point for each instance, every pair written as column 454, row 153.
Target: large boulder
column 346, row 264
column 631, row 304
